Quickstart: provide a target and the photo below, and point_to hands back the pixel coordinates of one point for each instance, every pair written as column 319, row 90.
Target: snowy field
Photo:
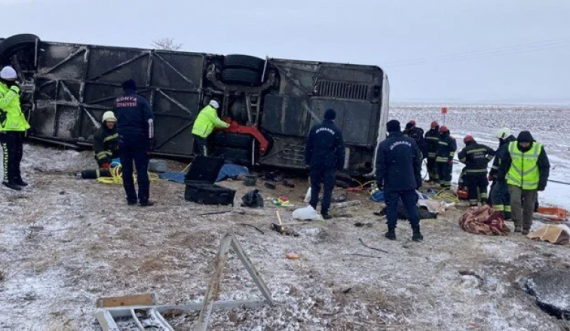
column 65, row 242
column 548, row 125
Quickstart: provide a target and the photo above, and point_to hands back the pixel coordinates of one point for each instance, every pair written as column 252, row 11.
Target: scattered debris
column 146, row 299
column 36, row 227
column 306, row 213
column 270, row 185
column 250, row 180
column 347, row 290
column 470, row 273
column 341, row 198
column 551, row 233
column 288, row 184
column 364, row 255
column 360, row 224
column 252, row 199
column 253, row 226
column 1, row 275
column 551, row 288
column 292, row 256
column 376, row 249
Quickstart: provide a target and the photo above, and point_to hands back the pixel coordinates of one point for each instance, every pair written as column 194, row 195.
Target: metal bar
column 122, row 312
column 176, row 70
column 67, row 91
column 160, row 319
column 106, row 320
column 214, row 287
column 137, row 322
column 56, row 119
column 71, row 56
column 252, row 271
column 174, row 101
column 248, row 108
column 174, row 135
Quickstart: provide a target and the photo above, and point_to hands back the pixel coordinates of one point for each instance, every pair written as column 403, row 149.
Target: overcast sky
column 456, row 51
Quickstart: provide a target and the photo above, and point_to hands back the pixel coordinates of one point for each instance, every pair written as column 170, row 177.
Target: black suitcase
column 200, row 179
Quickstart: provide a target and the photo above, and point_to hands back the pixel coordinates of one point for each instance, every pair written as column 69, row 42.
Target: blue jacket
column 398, row 163
column 325, row 146
column 134, row 116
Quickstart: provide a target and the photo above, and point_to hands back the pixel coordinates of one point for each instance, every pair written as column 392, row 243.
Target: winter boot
column 524, row 232
column 518, row 228
column 417, row 235
column 391, row 234
column 12, row 185
column 20, row 182
column 146, row 203
column 327, row 216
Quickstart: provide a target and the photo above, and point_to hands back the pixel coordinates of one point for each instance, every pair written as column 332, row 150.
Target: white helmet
column 503, row 133
column 8, row 73
column 109, row 116
column 214, row 104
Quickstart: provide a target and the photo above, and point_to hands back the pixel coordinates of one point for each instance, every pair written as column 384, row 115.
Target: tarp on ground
column 228, row 171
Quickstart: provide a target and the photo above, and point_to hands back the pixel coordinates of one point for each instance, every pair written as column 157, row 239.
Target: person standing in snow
column 432, row 143
column 417, row 134
column 13, row 124
column 398, row 171
column 444, row 157
column 475, row 157
column 135, row 126
column 324, row 154
column 205, row 123
column 500, row 197
column 525, row 168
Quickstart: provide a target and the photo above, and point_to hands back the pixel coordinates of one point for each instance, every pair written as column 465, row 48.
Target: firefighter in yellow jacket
column 13, row 124
column 205, row 123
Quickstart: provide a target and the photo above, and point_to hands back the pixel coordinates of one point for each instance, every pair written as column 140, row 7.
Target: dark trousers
column 200, row 146
column 522, row 206
column 409, row 199
column 326, row 176
column 134, row 148
column 12, row 145
column 444, row 170
column 432, row 169
column 476, row 188
column 501, row 199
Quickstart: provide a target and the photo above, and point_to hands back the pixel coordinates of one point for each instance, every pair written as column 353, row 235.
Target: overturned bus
column 67, row 87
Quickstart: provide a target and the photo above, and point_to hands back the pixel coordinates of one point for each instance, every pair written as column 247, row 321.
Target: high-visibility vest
column 524, row 166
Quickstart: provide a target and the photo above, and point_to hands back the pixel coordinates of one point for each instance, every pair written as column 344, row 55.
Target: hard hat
column 468, row 138
column 434, row 124
column 214, row 104
column 503, row 133
column 443, row 129
column 109, row 116
column 8, row 73
column 412, row 122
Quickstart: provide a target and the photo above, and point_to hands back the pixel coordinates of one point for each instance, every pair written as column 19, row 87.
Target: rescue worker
column 135, row 126
column 432, row 143
column 500, row 197
column 13, row 124
column 525, row 168
column 398, row 171
column 105, row 141
column 444, row 156
column 205, row 123
column 324, row 154
column 476, row 157
column 417, row 134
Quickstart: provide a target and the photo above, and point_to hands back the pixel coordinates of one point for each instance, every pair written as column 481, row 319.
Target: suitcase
column 200, row 179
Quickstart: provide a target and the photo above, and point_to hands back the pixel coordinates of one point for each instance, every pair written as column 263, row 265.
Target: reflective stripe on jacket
column 524, row 171
column 207, row 121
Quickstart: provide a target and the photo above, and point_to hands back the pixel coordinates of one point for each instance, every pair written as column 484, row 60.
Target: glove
column 541, row 187
column 105, row 166
column 490, row 177
column 233, row 125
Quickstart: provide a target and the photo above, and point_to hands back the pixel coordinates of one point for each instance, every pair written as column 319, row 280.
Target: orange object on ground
column 291, row 256
column 561, row 214
column 462, row 193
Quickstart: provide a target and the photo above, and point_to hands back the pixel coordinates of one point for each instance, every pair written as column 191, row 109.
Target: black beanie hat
column 525, row 137
column 130, row 85
column 330, row 114
column 393, row 126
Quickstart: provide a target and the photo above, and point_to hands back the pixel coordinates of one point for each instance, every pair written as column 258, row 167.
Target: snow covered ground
column 548, row 125
column 65, row 242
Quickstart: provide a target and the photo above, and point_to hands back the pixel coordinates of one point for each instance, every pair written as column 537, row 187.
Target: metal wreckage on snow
column 67, row 87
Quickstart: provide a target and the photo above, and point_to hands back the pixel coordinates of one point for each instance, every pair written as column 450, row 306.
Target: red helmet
column 468, row 138
column 434, row 124
column 443, row 129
